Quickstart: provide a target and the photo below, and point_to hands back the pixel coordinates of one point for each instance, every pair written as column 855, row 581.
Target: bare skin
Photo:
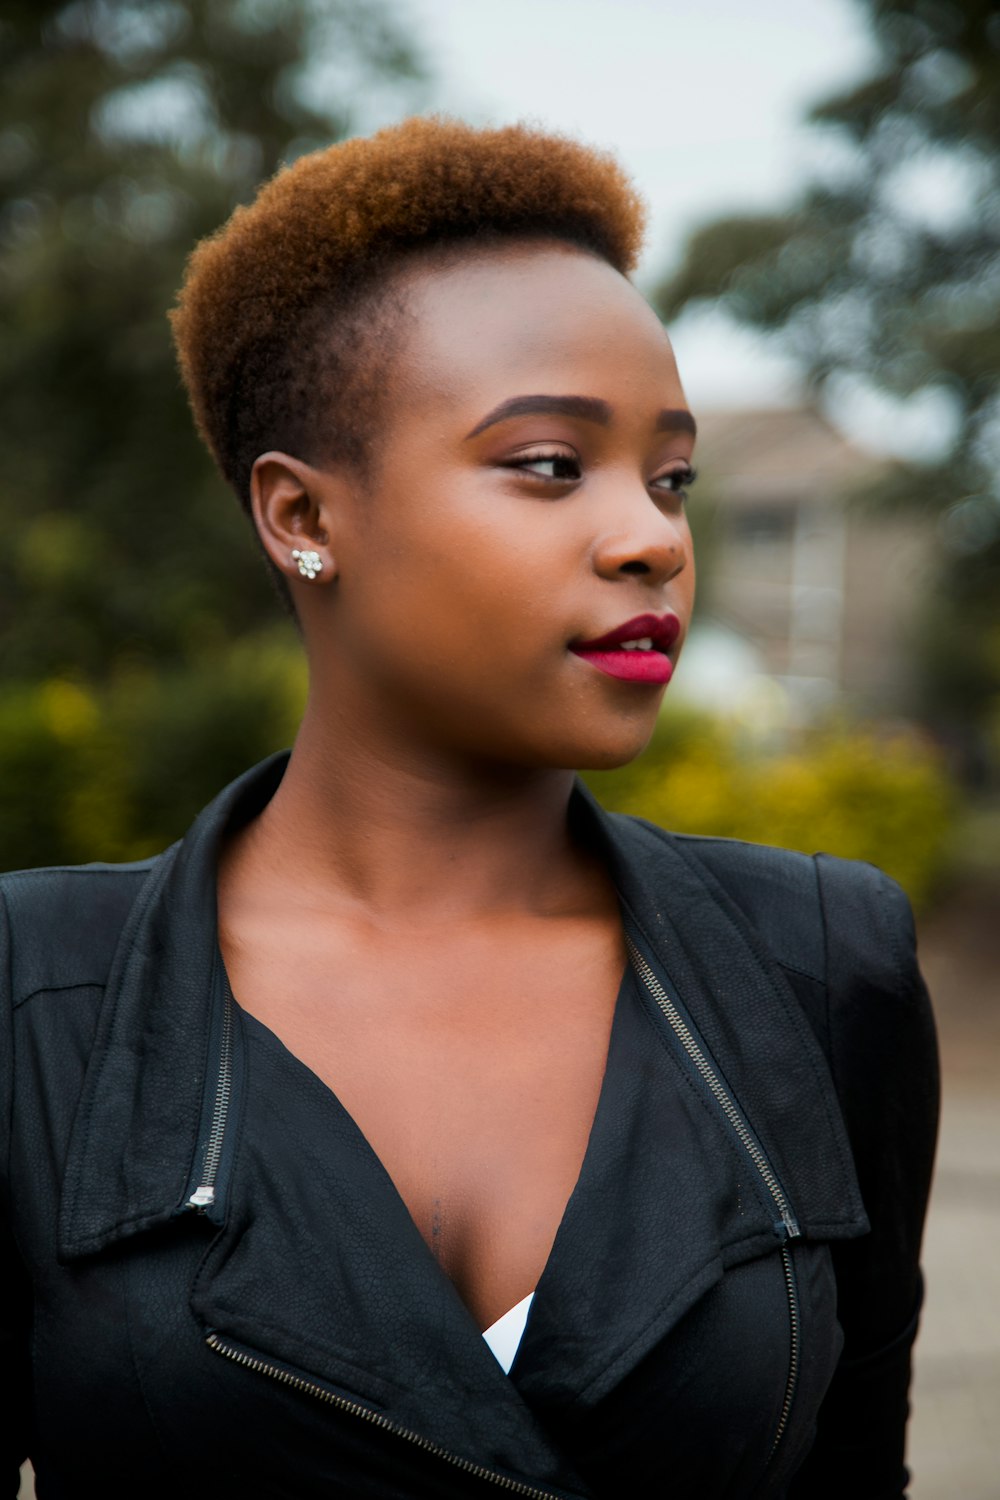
column 410, row 914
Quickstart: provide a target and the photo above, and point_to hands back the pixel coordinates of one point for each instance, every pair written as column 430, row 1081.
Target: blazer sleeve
column 883, row 1056
column 15, row 1296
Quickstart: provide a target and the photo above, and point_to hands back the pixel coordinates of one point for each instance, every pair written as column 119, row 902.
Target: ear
column 295, row 508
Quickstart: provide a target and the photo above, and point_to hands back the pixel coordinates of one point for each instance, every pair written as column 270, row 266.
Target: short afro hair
column 282, row 321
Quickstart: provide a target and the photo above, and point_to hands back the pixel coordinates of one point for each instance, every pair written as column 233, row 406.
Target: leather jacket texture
column 211, row 1287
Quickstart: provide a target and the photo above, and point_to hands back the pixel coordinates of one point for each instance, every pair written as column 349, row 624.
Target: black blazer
column 212, row 1287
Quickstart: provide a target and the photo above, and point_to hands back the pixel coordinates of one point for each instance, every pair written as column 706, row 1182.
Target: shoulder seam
column 882, row 889
column 7, row 1090
column 139, row 868
column 797, row 969
column 59, row 989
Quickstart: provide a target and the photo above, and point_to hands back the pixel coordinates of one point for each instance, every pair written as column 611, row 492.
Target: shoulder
column 840, row 930
column 845, row 903
column 843, row 932
column 60, row 926
column 815, row 913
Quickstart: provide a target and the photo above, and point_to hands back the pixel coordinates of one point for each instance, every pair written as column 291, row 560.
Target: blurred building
column 825, row 591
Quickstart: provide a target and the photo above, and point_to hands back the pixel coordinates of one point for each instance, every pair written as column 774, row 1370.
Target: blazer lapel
column 744, row 1009
column 137, row 1128
column 380, row 1321
column 137, row 1125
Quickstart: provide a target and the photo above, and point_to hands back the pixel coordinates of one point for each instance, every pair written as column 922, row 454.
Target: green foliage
column 118, row 772
column 865, row 279
column 844, row 792
column 129, row 129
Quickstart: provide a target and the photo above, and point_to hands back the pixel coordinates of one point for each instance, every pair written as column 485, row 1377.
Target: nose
column 643, row 539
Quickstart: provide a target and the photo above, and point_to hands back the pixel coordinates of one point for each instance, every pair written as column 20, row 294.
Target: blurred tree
column 129, row 129
column 885, row 275
column 128, row 576
column 882, row 798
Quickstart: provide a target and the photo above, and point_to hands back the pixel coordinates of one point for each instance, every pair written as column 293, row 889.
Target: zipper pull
column 786, row 1228
column 215, row 1113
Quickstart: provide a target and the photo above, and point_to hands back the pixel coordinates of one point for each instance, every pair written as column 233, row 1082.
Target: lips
column 646, row 661
column 662, row 630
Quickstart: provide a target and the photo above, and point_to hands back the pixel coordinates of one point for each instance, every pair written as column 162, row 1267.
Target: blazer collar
column 137, row 1133
column 742, row 1004
column 137, row 1127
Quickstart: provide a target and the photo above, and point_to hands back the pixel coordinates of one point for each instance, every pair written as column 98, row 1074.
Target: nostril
column 634, row 567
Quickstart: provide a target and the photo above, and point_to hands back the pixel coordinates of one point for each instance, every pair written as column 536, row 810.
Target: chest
column 472, row 1064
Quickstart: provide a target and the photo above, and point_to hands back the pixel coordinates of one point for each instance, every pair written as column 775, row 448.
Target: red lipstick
column 644, row 661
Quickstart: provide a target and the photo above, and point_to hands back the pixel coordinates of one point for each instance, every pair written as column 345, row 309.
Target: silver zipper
column 793, row 1353
column 204, row 1194
column 760, row 1161
column 322, row 1393
column 723, row 1099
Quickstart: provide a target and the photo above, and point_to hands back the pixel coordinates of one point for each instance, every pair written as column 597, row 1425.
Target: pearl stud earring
column 309, row 562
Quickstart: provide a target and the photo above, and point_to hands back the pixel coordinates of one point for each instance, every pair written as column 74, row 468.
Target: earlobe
column 292, row 505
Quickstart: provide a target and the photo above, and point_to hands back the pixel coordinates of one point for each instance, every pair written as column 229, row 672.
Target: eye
column 548, row 463
column 676, row 481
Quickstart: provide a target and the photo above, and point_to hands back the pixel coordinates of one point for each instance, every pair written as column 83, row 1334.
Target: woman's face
column 528, row 501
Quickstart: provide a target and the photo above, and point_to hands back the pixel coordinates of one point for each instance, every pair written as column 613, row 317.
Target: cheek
column 417, row 626
column 459, row 568
column 692, row 576
column 685, row 582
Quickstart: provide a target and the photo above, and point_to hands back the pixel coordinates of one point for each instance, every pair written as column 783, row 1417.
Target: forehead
column 531, row 317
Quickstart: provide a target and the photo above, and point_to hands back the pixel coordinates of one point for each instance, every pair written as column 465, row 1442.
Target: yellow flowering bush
column 853, row 792
column 118, row 772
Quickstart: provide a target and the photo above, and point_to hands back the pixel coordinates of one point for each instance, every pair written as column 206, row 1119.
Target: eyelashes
column 549, row 465
column 679, row 481
column 553, row 466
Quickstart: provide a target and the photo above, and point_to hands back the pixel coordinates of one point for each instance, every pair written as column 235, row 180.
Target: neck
column 413, row 835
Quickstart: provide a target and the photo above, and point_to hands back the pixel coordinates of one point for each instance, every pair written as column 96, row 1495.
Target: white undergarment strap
column 504, row 1336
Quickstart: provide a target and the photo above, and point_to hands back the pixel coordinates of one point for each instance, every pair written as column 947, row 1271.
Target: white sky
column 704, row 104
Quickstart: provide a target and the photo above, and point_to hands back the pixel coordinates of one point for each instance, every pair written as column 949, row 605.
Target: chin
column 574, row 740
column 610, row 746
column 610, row 759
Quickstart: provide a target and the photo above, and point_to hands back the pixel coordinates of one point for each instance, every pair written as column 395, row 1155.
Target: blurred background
column 824, row 187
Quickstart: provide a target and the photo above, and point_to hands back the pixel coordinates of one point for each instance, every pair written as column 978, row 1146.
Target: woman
column 407, row 1038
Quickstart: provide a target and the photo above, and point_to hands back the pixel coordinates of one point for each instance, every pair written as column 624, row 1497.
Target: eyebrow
column 676, row 420
column 589, row 408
